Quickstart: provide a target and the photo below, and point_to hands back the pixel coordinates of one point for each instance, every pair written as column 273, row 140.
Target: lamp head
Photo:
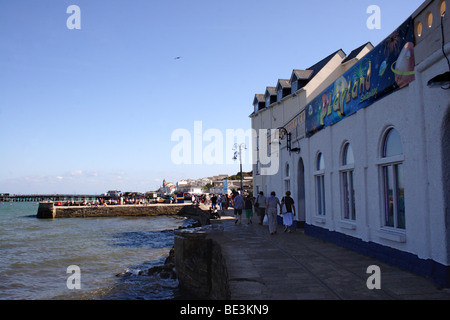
column 440, row 80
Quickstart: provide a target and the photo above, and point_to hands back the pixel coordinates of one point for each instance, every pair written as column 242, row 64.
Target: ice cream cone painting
column 403, row 68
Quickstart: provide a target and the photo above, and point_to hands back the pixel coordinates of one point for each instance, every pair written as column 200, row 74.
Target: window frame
column 347, row 184
column 287, row 177
column 319, row 186
column 390, row 167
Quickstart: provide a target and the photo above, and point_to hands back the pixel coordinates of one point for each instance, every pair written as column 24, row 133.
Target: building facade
column 365, row 146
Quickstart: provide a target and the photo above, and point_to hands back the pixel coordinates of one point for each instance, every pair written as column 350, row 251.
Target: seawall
column 200, row 266
column 48, row 210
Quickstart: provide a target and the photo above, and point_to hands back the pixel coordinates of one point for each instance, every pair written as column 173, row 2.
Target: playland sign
column 388, row 67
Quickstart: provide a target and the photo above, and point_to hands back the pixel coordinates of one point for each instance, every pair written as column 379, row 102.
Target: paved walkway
column 294, row 266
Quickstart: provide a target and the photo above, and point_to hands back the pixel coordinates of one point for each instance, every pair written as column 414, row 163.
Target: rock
column 154, row 270
column 124, row 274
column 171, row 258
column 165, row 271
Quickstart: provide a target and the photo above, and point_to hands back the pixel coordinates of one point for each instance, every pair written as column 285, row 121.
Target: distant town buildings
column 214, row 184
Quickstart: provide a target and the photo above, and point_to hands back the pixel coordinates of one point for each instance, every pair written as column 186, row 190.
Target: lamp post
column 238, row 153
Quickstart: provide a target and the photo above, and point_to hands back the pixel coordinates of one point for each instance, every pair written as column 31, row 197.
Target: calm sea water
column 35, row 255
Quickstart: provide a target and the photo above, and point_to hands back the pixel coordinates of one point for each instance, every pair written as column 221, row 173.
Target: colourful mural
column 388, row 67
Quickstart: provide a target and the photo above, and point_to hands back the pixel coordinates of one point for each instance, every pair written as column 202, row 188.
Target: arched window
column 393, row 182
column 348, row 191
column 392, row 144
column 320, row 184
column 348, row 158
column 287, row 178
column 320, row 162
column 442, row 7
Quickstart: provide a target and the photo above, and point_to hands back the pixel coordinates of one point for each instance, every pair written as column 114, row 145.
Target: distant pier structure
column 6, row 197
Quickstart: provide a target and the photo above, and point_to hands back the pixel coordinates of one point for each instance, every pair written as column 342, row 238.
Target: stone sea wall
column 47, row 210
column 200, row 265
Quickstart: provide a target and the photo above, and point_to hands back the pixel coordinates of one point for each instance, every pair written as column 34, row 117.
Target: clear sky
column 94, row 109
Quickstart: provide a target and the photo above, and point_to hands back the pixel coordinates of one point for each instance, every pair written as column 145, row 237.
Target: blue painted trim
column 435, row 271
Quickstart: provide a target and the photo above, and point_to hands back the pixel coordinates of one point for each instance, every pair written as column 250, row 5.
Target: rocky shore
column 166, row 270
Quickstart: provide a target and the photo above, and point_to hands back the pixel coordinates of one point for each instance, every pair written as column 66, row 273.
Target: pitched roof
column 284, row 83
column 307, row 75
column 258, row 98
column 271, row 90
column 301, row 74
column 322, row 63
column 355, row 53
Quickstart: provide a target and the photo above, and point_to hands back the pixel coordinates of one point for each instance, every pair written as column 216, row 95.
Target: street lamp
column 282, row 132
column 238, row 153
column 442, row 79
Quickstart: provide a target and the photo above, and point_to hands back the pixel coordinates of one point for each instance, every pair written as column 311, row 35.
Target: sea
column 111, row 256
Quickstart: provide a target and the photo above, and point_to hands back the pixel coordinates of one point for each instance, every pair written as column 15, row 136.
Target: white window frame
column 319, row 183
column 390, row 163
column 348, row 198
column 287, row 178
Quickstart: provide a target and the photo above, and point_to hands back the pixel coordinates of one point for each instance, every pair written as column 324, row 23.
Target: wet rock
column 124, row 274
column 165, row 271
column 171, row 258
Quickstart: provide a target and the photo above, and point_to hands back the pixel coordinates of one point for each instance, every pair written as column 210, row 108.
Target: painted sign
column 297, row 125
column 388, row 67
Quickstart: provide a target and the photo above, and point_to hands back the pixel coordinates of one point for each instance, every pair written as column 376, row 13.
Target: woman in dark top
column 287, row 203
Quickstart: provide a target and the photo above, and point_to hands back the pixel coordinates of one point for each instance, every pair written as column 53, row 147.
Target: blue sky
column 91, row 110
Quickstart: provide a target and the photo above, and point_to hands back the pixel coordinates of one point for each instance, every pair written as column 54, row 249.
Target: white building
column 369, row 146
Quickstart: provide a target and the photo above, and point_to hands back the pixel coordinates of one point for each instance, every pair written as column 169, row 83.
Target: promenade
column 294, row 266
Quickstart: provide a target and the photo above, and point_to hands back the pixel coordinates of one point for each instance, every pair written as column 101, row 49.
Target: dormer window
column 283, row 89
column 270, row 96
column 299, row 79
column 259, row 102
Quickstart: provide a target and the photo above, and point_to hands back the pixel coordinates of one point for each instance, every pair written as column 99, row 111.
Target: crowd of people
column 266, row 208
column 106, row 202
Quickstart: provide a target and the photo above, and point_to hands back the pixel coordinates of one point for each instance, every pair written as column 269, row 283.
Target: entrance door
column 301, row 192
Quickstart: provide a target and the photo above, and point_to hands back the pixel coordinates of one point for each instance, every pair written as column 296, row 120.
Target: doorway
column 301, row 193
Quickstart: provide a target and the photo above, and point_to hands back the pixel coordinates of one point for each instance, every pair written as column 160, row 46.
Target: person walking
column 223, row 202
column 219, row 201
column 238, row 206
column 271, row 211
column 260, row 206
column 213, row 202
column 248, row 207
column 288, row 212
